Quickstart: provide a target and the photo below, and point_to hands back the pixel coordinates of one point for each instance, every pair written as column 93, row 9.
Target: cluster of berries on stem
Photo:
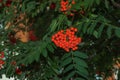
column 66, row 5
column 66, row 39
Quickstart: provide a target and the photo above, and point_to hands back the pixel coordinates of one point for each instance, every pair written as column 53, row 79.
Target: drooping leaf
column 68, row 68
column 82, row 71
column 53, row 25
column 66, row 61
column 80, row 62
column 66, row 56
column 80, row 54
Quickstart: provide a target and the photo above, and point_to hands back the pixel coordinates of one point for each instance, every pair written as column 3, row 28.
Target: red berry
column 8, row 3
column 2, row 62
column 73, row 2
column 52, row 6
column 1, row 55
column 32, row 36
column 18, row 71
column 82, row 12
column 13, row 63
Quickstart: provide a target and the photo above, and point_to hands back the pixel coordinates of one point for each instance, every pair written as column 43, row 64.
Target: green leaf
column 107, row 4
column 29, row 59
column 86, row 25
column 53, row 25
column 80, row 26
column 50, row 48
column 9, row 70
column 91, row 28
column 42, row 46
column 117, row 32
column 44, row 53
column 67, row 55
column 88, row 4
column 76, row 6
column 30, row 6
column 80, row 54
column 98, row 2
column 100, row 29
column 79, row 79
column 56, row 78
column 69, row 23
column 82, row 71
column 37, row 56
column 56, row 23
column 70, row 75
column 80, row 62
column 95, row 33
column 68, row 68
column 66, row 61
column 109, row 32
column 23, row 7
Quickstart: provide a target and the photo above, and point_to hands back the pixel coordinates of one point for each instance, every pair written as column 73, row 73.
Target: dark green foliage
column 74, row 66
column 98, row 26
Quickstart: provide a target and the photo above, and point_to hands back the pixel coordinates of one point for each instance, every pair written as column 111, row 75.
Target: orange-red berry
column 73, row 2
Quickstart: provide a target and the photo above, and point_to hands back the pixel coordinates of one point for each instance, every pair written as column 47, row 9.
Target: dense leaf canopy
column 28, row 51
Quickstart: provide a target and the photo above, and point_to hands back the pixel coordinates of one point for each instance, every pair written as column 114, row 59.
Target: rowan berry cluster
column 66, row 39
column 66, row 5
column 1, row 59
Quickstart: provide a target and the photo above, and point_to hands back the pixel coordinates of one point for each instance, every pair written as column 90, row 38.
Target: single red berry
column 82, row 12
column 71, row 14
column 32, row 36
column 52, row 6
column 18, row 71
column 12, row 39
column 73, row 2
column 74, row 48
column 13, row 63
column 8, row 3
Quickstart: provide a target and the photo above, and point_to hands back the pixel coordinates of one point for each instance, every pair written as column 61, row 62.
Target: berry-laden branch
column 66, row 6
